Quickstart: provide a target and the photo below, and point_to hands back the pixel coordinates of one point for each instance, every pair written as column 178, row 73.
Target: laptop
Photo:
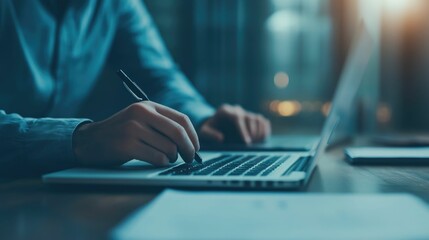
column 238, row 169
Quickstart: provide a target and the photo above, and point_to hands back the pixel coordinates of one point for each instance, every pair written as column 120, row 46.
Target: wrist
column 79, row 139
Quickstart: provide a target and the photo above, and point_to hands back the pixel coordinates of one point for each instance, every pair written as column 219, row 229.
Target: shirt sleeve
column 30, row 146
column 140, row 51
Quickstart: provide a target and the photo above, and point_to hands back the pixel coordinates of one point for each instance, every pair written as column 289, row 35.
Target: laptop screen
column 347, row 88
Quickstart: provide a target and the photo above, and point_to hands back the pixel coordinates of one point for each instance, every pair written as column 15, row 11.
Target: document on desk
column 388, row 155
column 229, row 215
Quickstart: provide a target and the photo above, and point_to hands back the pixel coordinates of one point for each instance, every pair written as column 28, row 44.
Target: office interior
column 280, row 58
column 283, row 58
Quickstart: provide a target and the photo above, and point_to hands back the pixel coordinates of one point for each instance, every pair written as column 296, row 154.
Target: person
column 51, row 55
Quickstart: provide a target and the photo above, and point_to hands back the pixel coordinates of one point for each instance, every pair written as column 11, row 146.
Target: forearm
column 30, row 146
column 178, row 93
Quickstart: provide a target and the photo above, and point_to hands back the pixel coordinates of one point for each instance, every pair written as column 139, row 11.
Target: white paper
column 228, row 215
column 386, row 152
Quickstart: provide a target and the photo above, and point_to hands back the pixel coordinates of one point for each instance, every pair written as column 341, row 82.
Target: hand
column 146, row 131
column 233, row 123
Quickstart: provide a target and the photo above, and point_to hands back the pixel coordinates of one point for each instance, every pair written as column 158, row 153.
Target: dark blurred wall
column 233, row 50
column 405, row 72
column 175, row 23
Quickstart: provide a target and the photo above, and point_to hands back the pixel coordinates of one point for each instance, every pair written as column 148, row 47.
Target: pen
column 139, row 95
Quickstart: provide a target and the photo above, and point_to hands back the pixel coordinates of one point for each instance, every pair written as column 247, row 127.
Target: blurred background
column 283, row 58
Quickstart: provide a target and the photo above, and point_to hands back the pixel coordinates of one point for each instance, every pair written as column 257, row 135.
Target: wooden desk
column 31, row 210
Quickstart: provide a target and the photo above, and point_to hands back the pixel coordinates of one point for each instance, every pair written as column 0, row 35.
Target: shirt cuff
column 48, row 144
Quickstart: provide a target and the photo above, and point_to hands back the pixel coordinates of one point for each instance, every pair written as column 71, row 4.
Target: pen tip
column 198, row 158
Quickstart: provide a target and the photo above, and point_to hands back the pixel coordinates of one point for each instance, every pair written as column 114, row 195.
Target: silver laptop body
column 243, row 169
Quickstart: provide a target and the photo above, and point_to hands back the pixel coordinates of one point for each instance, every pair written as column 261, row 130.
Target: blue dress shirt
column 51, row 54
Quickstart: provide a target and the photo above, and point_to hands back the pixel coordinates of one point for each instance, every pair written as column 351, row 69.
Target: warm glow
column 281, row 80
column 326, row 108
column 384, row 114
column 288, row 108
column 398, row 6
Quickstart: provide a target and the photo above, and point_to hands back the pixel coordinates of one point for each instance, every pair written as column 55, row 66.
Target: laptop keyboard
column 230, row 165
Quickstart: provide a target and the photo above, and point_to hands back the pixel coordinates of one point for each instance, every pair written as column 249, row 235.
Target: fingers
column 267, row 128
column 165, row 132
column 177, row 134
column 144, row 152
column 258, row 127
column 240, row 123
column 158, row 142
column 237, row 115
column 183, row 120
column 251, row 127
column 147, row 113
column 264, row 127
column 138, row 131
column 261, row 129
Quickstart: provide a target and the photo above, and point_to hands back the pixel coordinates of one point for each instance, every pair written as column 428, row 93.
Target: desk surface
column 31, row 210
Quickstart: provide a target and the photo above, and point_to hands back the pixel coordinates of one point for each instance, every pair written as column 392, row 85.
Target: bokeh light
column 281, row 80
column 288, row 108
